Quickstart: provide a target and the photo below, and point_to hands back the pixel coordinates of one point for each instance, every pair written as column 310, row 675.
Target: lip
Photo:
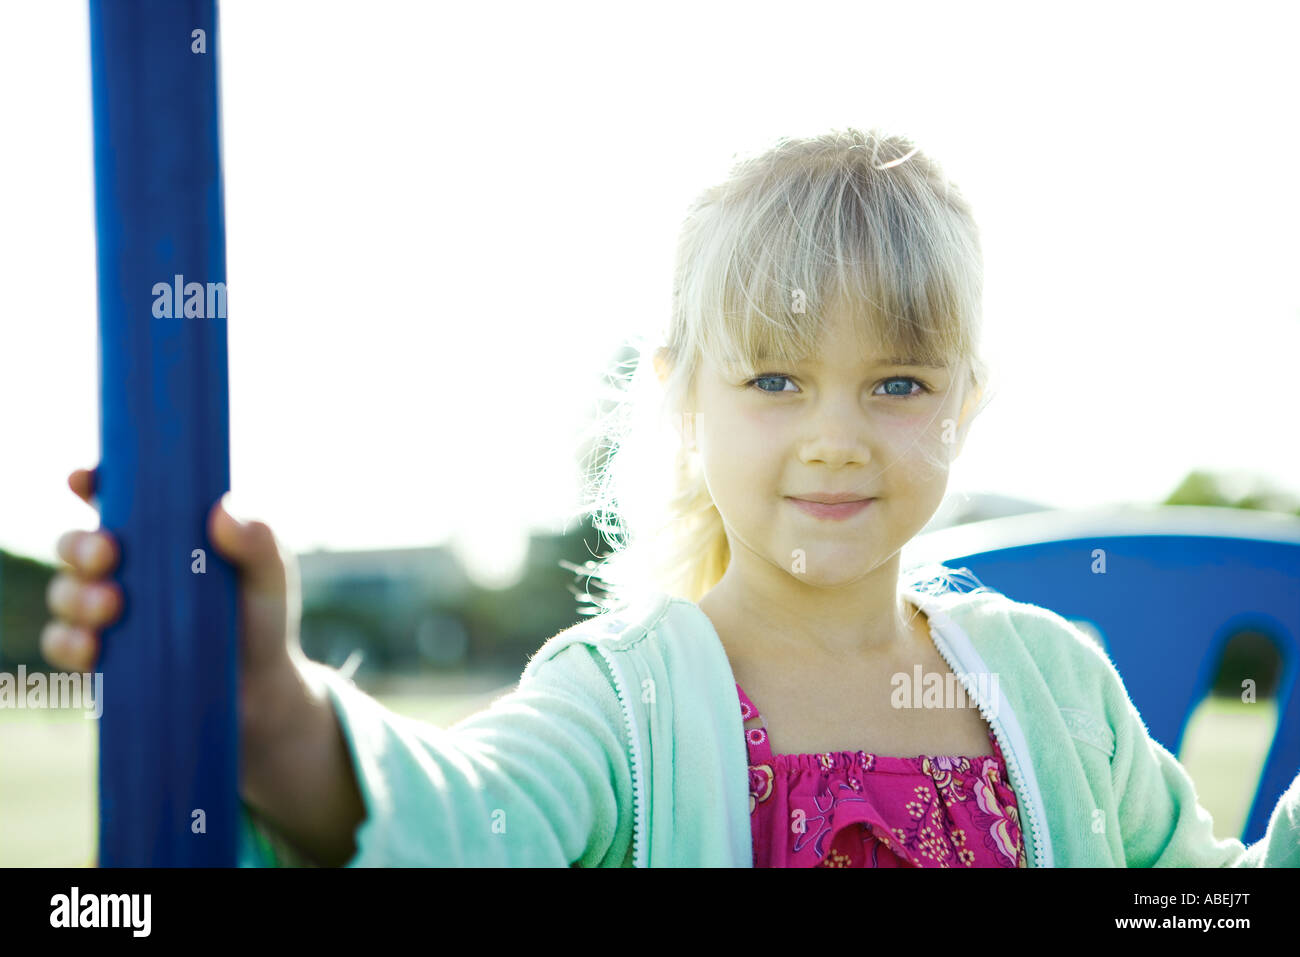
column 837, row 510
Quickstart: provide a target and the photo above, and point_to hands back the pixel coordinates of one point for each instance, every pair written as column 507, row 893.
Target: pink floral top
column 854, row 809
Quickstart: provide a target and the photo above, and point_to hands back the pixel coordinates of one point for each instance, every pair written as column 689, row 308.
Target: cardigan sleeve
column 1162, row 822
column 541, row 777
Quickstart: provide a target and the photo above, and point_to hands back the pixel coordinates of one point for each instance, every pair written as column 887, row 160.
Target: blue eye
column 905, row 395
column 769, row 378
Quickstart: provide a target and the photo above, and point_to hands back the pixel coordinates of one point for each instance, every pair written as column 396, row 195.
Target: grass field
column 48, row 770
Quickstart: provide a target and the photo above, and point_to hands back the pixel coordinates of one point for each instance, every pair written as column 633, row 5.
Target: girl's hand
column 270, row 608
column 294, row 762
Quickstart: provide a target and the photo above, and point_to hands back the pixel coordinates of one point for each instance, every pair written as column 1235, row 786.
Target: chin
column 823, row 570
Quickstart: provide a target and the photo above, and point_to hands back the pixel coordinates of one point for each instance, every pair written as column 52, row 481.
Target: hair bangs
column 795, row 245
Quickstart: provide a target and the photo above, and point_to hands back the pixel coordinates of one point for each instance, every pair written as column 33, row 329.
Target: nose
column 837, row 435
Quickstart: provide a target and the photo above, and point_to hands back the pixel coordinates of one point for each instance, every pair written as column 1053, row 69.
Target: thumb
column 270, row 598
column 250, row 546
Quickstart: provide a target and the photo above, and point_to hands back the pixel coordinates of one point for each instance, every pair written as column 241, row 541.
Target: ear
column 963, row 426
column 662, row 367
column 972, row 400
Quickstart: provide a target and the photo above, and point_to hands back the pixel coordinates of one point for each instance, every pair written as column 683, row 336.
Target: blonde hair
column 858, row 217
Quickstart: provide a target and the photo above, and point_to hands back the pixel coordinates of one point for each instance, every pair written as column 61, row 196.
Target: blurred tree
column 1239, row 490
column 23, row 582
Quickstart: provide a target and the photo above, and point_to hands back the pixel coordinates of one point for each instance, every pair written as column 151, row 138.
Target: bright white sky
column 443, row 219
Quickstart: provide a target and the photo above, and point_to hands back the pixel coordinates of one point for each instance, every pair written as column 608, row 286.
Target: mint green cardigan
column 623, row 745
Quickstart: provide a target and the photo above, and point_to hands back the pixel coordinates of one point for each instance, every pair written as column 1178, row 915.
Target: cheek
column 742, row 459
column 748, row 433
column 914, row 444
column 753, row 420
column 900, row 435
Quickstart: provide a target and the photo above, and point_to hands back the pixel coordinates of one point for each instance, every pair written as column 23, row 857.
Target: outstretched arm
column 541, row 777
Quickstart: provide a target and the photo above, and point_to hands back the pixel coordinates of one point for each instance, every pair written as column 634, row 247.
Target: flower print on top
column 857, row 809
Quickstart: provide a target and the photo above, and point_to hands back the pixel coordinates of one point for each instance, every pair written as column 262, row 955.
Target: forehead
column 848, row 343
column 855, row 337
column 833, row 335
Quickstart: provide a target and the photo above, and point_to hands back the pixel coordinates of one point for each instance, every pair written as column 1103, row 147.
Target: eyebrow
column 909, row 361
column 887, row 361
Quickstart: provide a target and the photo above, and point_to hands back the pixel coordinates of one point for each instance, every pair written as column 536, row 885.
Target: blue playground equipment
column 1179, row 583
column 168, row 760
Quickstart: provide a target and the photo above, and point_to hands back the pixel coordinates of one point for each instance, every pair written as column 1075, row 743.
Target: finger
column 89, row 604
column 83, row 482
column 68, row 648
column 92, row 554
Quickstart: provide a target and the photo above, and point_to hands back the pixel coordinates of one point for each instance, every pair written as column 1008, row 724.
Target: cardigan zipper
column 1018, row 782
column 638, row 800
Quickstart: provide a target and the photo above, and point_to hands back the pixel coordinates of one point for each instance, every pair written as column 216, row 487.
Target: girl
column 737, row 700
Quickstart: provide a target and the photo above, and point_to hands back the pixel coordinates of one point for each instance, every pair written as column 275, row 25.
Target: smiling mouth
column 829, row 510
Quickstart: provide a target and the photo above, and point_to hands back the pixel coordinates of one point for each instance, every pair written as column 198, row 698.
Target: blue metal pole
column 168, row 735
